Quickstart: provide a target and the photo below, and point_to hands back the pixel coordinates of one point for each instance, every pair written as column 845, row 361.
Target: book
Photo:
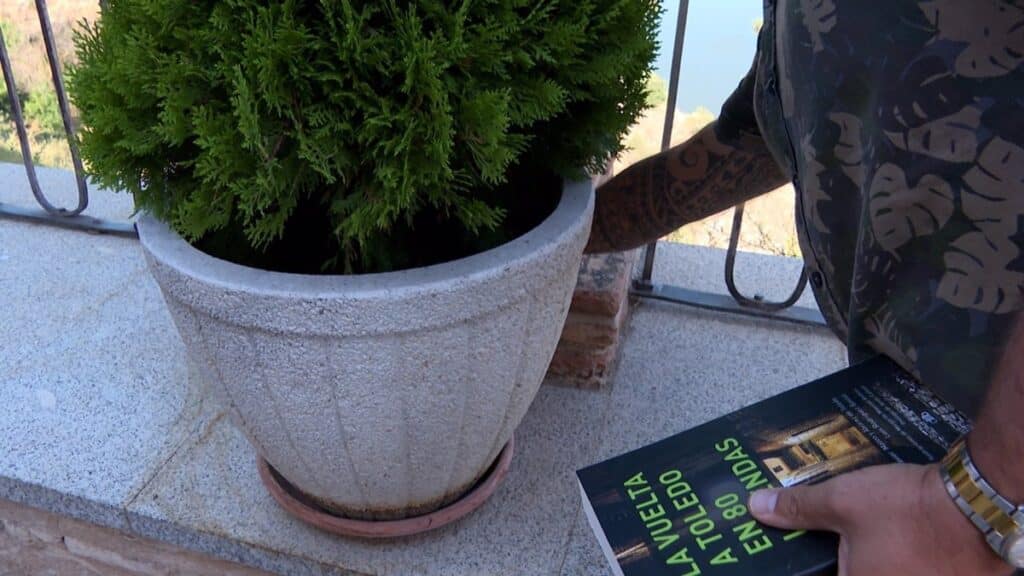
column 678, row 507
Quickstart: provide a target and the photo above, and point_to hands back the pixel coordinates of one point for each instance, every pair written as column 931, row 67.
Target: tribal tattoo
column 691, row 181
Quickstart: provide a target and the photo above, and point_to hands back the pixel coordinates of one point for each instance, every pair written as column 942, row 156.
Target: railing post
column 757, row 302
column 65, row 108
column 51, row 214
column 670, row 117
column 735, row 302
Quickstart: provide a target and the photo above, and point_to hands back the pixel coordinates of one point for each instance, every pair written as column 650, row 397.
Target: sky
column 718, row 49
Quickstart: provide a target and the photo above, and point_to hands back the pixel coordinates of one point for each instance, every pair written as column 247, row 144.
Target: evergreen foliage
column 370, row 115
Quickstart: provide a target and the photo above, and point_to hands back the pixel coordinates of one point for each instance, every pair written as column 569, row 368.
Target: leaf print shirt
column 901, row 124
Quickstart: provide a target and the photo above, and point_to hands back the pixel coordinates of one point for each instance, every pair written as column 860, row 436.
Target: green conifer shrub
column 355, row 135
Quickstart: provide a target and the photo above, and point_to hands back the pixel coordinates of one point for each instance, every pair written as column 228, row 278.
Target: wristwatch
column 1001, row 522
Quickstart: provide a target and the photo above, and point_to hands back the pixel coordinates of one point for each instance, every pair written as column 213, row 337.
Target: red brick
column 593, row 330
column 588, row 336
column 603, row 284
column 583, row 368
column 34, row 541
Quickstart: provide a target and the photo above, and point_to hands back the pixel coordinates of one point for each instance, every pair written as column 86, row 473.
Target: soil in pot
column 528, row 197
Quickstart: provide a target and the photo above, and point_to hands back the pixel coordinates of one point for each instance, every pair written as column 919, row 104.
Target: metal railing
column 735, row 302
column 49, row 213
column 644, row 287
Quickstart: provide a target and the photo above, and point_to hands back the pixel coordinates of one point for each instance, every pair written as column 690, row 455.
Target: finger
column 798, row 508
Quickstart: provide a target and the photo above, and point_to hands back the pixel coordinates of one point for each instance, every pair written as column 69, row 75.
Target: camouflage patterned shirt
column 901, row 124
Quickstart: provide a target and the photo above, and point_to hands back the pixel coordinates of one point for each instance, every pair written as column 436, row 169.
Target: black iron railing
column 48, row 212
column 735, row 302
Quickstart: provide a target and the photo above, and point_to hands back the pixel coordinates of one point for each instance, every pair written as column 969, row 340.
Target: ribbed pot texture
column 381, row 396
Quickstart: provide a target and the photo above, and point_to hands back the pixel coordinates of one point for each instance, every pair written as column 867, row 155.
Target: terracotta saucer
column 301, row 507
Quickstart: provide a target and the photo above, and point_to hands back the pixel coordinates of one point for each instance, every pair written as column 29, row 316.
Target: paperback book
column 678, row 507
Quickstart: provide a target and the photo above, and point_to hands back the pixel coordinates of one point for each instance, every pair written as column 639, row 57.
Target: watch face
column 1014, row 548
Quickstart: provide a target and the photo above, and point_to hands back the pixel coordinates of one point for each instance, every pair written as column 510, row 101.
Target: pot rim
column 172, row 250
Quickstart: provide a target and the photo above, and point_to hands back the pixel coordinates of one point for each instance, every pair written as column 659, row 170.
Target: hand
column 892, row 520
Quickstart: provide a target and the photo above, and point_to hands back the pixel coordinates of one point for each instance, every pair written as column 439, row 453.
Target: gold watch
column 1000, row 522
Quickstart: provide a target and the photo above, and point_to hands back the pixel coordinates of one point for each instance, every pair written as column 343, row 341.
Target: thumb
column 797, row 508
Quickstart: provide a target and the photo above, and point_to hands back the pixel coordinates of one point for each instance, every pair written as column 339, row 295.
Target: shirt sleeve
column 737, row 117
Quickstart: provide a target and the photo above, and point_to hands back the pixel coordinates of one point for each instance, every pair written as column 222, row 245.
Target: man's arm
column 725, row 164
column 694, row 180
column 898, row 519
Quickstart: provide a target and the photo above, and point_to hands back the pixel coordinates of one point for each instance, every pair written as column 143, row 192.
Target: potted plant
column 355, row 211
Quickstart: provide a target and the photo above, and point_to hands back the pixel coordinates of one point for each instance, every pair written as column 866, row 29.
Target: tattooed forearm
column 692, row 181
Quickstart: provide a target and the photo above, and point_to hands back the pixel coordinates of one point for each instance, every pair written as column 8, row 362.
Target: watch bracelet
column 959, row 456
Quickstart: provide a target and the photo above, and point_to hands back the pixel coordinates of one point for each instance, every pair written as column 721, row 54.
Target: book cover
column 678, row 507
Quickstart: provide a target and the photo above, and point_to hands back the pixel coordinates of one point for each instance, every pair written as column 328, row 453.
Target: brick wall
column 589, row 347
column 34, row 542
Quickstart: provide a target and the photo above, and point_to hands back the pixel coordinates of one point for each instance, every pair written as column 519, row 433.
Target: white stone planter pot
column 380, row 395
